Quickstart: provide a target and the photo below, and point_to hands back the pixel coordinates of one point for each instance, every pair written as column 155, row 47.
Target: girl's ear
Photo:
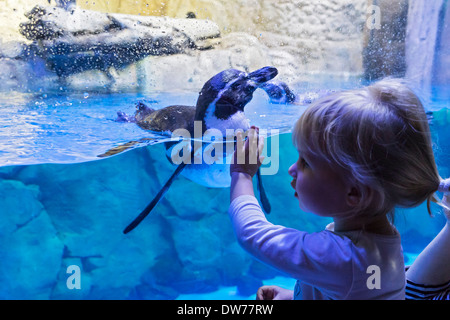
column 354, row 196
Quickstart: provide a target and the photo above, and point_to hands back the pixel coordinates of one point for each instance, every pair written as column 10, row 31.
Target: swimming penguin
column 280, row 93
column 220, row 106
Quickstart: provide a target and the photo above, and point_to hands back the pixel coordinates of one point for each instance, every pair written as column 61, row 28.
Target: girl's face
column 319, row 188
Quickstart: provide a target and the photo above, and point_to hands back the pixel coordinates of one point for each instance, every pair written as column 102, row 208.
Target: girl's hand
column 274, row 293
column 247, row 155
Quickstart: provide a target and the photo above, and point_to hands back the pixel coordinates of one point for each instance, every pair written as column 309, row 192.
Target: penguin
column 220, row 107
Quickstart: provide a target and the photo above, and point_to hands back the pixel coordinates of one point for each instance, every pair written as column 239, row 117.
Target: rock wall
column 300, row 38
column 442, row 65
column 423, row 40
column 12, row 13
column 384, row 47
column 428, row 46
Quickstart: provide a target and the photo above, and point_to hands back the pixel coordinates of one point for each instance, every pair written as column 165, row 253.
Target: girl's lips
column 293, row 184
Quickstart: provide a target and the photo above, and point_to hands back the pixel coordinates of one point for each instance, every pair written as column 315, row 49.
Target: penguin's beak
column 263, row 75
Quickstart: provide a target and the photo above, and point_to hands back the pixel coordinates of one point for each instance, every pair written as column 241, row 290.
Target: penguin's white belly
column 209, row 175
column 235, row 122
column 205, row 169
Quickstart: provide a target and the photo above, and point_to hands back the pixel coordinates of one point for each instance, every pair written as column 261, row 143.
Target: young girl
column 361, row 154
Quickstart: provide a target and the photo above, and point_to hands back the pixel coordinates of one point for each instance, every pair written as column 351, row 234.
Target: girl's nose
column 293, row 170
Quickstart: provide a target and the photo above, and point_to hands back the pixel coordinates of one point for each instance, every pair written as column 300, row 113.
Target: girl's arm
column 241, row 184
column 242, row 170
column 432, row 266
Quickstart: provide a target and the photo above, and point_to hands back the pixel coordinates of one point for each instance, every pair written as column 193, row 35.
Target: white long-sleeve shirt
column 327, row 265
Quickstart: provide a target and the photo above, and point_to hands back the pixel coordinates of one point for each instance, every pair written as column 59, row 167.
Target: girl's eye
column 303, row 163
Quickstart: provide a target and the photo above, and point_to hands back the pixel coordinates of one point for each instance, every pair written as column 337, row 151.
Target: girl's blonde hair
column 380, row 136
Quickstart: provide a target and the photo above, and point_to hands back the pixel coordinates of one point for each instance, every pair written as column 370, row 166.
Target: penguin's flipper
column 123, row 147
column 155, row 201
column 262, row 193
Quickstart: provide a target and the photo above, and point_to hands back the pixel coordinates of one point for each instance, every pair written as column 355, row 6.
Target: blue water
column 61, row 205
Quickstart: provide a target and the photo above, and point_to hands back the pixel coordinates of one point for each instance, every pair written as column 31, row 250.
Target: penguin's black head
column 279, row 92
column 229, row 91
